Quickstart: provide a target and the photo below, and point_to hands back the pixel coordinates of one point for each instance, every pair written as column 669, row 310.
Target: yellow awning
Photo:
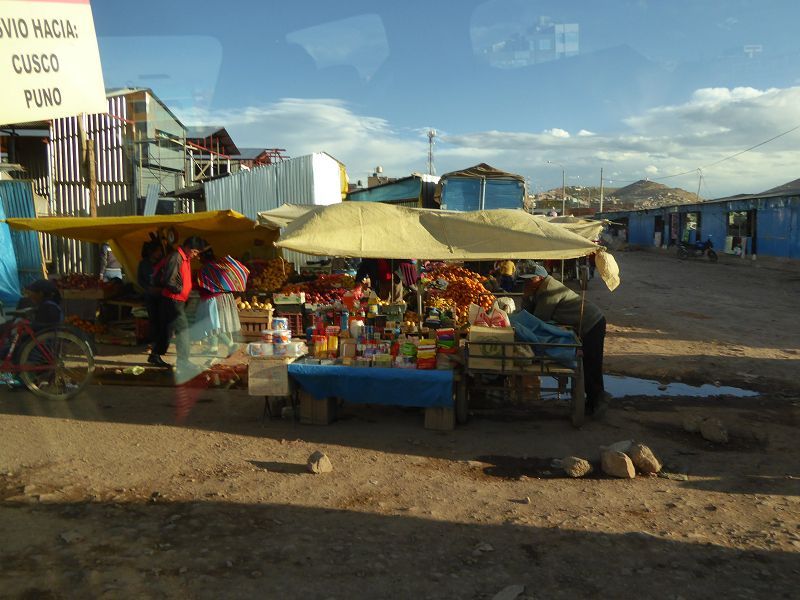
column 227, row 231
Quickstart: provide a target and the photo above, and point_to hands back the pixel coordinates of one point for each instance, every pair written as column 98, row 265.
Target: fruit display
column 454, row 288
column 325, row 289
column 268, row 275
column 80, row 281
column 253, row 304
column 84, row 325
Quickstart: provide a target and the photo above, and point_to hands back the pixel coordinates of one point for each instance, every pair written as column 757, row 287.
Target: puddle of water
column 620, row 386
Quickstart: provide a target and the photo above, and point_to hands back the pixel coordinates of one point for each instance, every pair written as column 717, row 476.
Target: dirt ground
column 106, row 497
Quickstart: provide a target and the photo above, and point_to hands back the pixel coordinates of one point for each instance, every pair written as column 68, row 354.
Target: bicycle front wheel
column 56, row 364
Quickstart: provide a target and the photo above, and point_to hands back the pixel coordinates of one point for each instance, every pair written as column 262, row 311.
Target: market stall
column 386, row 337
column 114, row 313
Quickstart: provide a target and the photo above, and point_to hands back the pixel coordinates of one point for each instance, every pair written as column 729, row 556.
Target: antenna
column 431, row 135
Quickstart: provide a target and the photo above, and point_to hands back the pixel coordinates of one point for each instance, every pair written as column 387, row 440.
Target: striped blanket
column 223, row 275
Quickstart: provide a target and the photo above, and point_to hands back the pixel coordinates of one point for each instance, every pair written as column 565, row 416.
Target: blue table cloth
column 375, row 385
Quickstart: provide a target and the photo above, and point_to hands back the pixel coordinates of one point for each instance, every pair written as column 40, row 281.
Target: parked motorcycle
column 697, row 250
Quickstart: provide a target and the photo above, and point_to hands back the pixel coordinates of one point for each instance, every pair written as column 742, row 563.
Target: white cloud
column 557, row 132
column 712, row 124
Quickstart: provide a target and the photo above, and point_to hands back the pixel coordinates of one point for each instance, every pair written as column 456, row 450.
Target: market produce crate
column 296, row 321
column 440, row 419
column 316, row 412
column 85, row 294
column 292, row 298
column 253, row 323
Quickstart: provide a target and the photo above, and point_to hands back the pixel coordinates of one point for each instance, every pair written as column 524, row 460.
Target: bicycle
column 54, row 363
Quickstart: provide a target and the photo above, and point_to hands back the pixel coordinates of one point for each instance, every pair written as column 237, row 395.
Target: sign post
column 49, row 61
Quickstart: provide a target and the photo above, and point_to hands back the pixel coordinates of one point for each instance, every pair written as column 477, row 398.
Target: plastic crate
column 296, row 322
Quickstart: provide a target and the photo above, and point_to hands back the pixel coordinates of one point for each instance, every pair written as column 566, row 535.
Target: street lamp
column 563, row 186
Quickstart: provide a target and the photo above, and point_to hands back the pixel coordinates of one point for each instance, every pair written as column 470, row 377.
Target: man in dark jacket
column 550, row 300
column 175, row 276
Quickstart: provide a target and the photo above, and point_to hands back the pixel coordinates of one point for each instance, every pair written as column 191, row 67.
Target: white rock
column 318, row 463
column 643, row 459
column 575, row 466
column 617, row 464
column 510, row 592
column 714, row 431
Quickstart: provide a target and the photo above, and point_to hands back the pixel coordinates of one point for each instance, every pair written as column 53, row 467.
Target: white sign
column 49, row 61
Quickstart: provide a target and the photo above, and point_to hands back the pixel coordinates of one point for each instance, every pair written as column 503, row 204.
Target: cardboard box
column 440, row 419
column 488, row 356
column 293, row 298
column 316, row 412
column 268, row 376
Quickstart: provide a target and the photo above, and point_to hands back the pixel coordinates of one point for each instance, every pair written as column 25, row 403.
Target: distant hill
column 642, row 194
column 647, row 194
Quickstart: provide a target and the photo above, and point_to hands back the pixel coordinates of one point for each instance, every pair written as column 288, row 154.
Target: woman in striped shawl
column 217, row 279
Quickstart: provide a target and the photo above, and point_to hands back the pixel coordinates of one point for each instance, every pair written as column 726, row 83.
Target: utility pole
column 88, row 159
column 601, row 189
column 563, row 192
column 699, row 181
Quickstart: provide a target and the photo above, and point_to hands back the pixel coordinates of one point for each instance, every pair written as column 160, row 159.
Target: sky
column 658, row 89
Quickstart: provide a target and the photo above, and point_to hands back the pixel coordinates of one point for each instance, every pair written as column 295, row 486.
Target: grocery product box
column 488, row 354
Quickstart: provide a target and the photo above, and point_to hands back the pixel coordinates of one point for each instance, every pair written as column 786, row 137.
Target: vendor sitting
column 550, row 300
column 45, row 299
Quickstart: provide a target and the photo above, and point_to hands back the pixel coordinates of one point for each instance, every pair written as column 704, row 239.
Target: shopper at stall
column 217, row 279
column 550, row 300
column 174, row 275
column 110, row 267
column 152, row 254
column 504, row 271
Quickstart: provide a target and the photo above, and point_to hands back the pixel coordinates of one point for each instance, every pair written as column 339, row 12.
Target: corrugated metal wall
column 112, row 135
column 17, row 199
column 291, row 181
column 777, row 223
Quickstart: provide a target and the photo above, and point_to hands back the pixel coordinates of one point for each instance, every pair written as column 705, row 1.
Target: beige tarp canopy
column 375, row 230
column 585, row 228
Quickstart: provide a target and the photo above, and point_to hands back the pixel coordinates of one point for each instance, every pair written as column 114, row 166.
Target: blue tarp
column 9, row 278
column 529, row 328
column 395, row 387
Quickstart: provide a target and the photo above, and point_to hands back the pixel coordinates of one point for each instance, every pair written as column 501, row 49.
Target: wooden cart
column 512, row 361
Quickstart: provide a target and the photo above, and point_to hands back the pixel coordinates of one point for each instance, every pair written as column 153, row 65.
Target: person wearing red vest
column 175, row 274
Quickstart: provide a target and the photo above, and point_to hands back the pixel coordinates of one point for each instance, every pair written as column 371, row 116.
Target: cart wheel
column 578, row 403
column 462, row 400
column 56, row 364
column 683, row 253
column 712, row 256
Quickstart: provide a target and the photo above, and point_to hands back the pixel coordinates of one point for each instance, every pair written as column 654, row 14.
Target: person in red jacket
column 175, row 276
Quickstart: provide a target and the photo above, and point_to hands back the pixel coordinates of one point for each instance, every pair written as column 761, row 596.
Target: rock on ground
column 622, row 446
column 576, row 467
column 691, row 423
column 318, row 463
column 617, row 464
column 714, row 431
column 510, row 592
column 643, row 459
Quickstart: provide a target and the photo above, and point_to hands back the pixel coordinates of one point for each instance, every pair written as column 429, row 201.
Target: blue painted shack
column 767, row 223
column 416, row 190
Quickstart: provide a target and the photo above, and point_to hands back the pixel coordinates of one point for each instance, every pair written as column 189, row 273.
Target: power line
column 722, row 160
